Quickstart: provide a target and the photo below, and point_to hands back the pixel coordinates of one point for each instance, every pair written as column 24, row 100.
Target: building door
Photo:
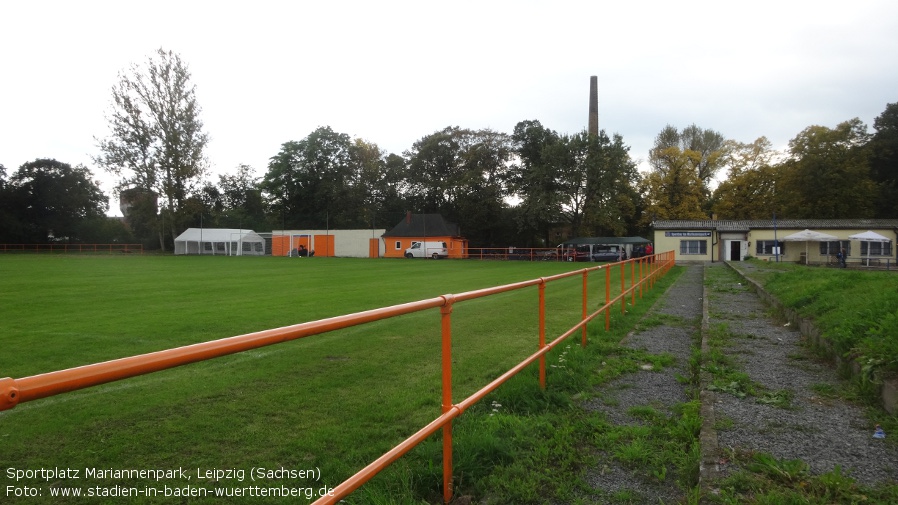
column 735, row 250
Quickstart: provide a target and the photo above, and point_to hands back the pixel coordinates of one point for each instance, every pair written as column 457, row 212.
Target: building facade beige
column 735, row 240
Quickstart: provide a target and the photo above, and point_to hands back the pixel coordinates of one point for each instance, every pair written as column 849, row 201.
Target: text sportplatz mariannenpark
column 212, row 482
column 212, row 474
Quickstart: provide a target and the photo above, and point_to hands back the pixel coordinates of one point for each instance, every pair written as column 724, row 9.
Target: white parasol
column 809, row 236
column 869, row 236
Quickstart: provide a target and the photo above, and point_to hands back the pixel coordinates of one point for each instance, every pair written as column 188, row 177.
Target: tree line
column 530, row 187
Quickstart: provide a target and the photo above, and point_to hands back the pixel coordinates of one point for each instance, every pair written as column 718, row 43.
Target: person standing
column 841, row 257
column 649, row 251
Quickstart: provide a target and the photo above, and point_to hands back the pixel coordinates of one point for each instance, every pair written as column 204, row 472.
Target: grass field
column 332, row 402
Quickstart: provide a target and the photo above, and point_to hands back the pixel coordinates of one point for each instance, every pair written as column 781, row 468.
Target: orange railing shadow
column 643, row 274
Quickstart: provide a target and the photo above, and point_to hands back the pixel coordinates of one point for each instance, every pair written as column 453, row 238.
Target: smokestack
column 593, row 106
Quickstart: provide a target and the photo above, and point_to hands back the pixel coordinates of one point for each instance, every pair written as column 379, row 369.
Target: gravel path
column 815, row 427
column 819, row 429
column 681, row 310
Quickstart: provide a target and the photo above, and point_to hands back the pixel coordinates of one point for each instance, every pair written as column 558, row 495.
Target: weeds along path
column 648, row 448
column 783, row 423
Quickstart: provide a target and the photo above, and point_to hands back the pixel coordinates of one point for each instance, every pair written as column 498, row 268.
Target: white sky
column 392, row 72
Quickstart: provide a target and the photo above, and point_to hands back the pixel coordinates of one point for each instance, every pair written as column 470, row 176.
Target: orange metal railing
column 16, row 391
column 72, row 248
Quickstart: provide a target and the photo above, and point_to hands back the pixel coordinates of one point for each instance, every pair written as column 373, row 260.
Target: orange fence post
column 632, row 284
column 607, row 297
column 623, row 290
column 446, row 330
column 651, row 265
column 542, row 332
column 585, row 308
column 641, row 278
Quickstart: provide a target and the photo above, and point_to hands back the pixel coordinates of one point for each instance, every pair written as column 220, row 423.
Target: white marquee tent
column 220, row 241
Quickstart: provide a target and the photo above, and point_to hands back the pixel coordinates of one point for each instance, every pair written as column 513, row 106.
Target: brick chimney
column 593, row 106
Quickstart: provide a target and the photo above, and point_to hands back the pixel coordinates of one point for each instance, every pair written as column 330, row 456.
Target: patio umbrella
column 809, row 236
column 869, row 236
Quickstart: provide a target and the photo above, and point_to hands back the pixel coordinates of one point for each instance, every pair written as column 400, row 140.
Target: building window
column 693, row 247
column 833, row 247
column 398, row 245
column 876, row 248
column 767, row 247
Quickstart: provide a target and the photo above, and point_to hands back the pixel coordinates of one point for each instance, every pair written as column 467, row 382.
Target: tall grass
column 332, row 402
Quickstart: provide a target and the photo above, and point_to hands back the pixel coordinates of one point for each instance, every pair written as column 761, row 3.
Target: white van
column 433, row 250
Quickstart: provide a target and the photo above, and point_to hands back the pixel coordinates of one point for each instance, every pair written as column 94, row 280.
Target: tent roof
column 606, row 240
column 809, row 236
column 870, row 236
column 424, row 225
column 217, row 235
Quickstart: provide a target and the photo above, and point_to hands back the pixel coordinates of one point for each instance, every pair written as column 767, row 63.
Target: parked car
column 433, row 250
column 603, row 252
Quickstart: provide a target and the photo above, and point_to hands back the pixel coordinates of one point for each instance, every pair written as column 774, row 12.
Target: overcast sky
column 392, row 72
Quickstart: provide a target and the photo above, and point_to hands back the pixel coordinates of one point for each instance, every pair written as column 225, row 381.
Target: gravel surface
column 681, row 307
column 824, row 432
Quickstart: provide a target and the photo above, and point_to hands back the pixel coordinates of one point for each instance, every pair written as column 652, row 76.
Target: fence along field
column 281, row 406
column 62, row 247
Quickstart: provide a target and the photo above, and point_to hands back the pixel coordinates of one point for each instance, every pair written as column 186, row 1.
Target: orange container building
column 326, row 243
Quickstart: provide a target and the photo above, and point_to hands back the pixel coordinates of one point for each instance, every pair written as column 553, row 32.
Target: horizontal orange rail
column 72, row 248
column 15, row 391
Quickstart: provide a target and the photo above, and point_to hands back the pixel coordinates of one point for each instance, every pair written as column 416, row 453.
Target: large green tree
column 535, row 182
column 307, row 182
column 568, row 157
column 884, row 162
column 463, row 175
column 235, row 202
column 8, row 221
column 48, row 200
column 376, row 184
column 749, row 191
column 612, row 200
column 679, row 161
column 827, row 175
column 586, row 182
column 329, row 179
column 156, row 139
column 674, row 189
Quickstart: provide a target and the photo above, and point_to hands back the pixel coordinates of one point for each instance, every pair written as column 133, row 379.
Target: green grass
column 767, row 480
column 332, row 402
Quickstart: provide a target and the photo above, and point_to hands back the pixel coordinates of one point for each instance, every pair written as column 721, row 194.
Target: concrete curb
column 709, row 469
